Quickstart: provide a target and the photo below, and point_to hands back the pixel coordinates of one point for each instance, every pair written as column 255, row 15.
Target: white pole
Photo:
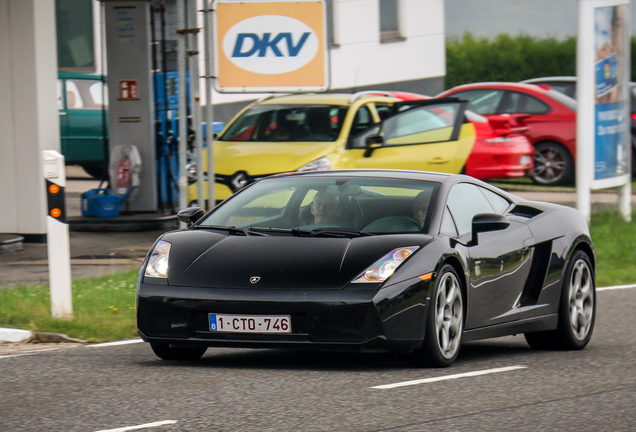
column 195, row 101
column 209, row 82
column 585, row 108
column 57, row 240
column 183, row 131
column 625, row 201
column 625, row 192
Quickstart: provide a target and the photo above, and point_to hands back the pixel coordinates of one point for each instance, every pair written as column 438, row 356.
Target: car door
column 427, row 136
column 499, row 262
column 85, row 121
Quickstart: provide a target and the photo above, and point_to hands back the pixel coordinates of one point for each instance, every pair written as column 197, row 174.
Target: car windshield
column 341, row 206
column 285, row 122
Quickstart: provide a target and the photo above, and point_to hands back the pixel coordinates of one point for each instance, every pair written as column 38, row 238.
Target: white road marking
column 28, row 353
column 143, row 426
column 448, row 377
column 123, row 342
column 617, row 287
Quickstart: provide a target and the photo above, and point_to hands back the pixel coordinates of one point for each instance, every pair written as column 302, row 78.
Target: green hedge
column 510, row 58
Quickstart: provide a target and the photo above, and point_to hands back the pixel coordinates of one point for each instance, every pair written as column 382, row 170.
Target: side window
column 362, row 120
column 383, row 110
column 98, row 93
column 515, row 102
column 532, row 105
column 448, row 226
column 464, row 202
column 499, row 204
column 481, row 101
column 73, row 96
column 421, row 125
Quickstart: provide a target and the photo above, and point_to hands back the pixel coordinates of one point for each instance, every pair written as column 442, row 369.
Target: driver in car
column 420, row 206
column 325, row 208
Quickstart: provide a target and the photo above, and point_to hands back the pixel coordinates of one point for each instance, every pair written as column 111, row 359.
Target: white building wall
column 8, row 168
column 360, row 59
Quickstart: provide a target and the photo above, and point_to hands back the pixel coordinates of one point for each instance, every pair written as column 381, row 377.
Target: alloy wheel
column 448, row 315
column 581, row 300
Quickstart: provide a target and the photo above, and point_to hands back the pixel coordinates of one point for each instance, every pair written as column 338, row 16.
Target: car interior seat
column 71, row 100
column 351, row 215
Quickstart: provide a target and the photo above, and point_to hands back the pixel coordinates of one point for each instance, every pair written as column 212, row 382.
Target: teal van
column 82, row 101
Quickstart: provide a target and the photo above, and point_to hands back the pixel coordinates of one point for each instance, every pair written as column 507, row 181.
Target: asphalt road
column 496, row 385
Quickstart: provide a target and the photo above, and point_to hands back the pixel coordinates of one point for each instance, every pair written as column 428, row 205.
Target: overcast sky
column 540, row 18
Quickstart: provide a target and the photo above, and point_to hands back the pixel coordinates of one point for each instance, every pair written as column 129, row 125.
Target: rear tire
column 577, row 310
column 166, row 352
column 553, row 164
column 444, row 323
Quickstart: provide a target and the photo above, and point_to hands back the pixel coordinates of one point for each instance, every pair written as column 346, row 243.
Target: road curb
column 9, row 335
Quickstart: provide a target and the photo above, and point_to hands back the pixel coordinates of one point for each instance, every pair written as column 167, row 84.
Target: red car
column 500, row 151
column 549, row 115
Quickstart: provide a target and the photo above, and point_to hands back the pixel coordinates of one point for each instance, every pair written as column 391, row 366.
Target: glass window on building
column 75, row 40
column 389, row 23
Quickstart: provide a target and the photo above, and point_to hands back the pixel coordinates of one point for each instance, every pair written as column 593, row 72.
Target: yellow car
column 307, row 132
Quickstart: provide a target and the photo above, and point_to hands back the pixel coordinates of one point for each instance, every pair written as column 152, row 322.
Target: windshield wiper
column 318, row 232
column 230, row 229
column 269, row 229
column 330, row 232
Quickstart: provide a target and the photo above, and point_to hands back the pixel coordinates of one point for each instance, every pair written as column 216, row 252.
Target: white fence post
column 57, row 241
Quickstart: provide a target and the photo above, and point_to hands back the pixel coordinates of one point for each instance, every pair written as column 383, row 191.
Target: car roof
column 571, row 79
column 382, row 173
column 499, row 84
column 324, row 98
column 551, row 78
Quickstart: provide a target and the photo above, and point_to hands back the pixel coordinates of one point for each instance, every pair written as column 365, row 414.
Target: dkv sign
column 270, row 46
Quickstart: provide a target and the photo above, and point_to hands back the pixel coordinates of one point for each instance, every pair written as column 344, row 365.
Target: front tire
column 577, row 311
column 553, row 164
column 444, row 323
column 166, row 352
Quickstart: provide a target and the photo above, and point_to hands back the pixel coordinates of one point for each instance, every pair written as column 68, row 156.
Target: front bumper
column 389, row 319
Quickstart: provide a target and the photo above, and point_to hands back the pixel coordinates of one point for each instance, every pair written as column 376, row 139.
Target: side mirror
column 373, row 142
column 190, row 215
column 486, row 222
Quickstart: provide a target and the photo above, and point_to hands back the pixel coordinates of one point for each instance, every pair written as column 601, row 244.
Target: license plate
column 250, row 323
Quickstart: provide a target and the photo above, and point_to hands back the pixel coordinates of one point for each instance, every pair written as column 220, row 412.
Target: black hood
column 215, row 259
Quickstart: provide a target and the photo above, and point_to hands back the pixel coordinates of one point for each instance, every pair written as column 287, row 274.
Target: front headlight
column 321, row 164
column 383, row 268
column 158, row 263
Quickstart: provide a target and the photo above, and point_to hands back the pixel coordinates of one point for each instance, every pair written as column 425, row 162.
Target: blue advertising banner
column 610, row 113
column 611, row 139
